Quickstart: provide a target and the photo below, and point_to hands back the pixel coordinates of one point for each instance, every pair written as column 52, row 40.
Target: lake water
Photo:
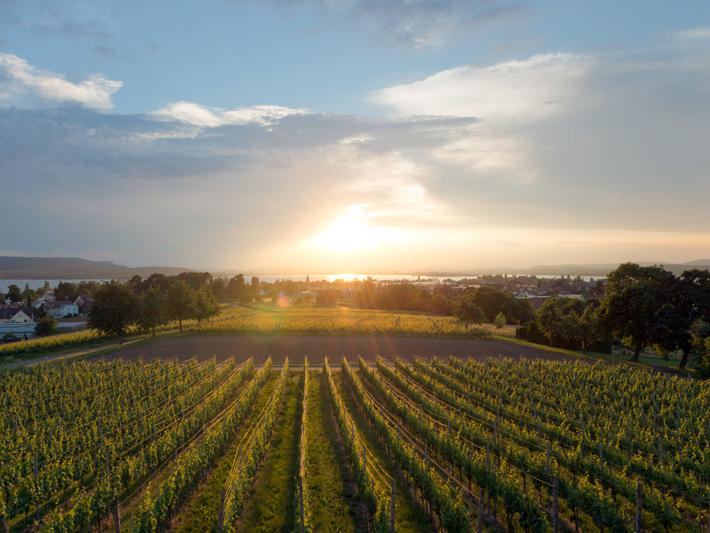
column 270, row 278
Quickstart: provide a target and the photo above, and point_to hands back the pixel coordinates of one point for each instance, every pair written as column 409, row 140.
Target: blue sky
column 355, row 134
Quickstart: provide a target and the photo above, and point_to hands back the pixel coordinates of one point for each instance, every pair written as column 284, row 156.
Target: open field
column 315, row 347
column 424, row 444
column 267, row 319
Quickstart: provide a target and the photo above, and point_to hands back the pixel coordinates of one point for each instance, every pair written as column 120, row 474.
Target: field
column 414, row 445
column 266, row 319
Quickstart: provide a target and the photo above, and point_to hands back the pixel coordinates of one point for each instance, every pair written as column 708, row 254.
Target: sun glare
column 350, row 233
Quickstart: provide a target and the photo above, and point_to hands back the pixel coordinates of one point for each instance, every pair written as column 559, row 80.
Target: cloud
column 552, row 158
column 418, row 23
column 693, row 34
column 21, row 83
column 516, row 90
column 199, row 115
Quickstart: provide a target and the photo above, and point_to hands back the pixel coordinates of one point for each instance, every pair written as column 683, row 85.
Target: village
column 21, row 311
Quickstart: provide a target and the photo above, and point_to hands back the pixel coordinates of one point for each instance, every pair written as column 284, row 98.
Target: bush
column 499, row 320
column 45, row 326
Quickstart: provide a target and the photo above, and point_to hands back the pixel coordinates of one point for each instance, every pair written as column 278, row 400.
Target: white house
column 61, row 308
column 17, row 323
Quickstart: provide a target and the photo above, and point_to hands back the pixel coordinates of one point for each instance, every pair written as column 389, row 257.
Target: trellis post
column 555, row 506
column 639, row 505
column 220, row 520
column 392, row 504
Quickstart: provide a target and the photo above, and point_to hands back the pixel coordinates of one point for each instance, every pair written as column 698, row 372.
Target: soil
column 296, row 347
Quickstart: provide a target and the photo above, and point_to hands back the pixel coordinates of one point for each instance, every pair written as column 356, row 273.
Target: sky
column 355, row 135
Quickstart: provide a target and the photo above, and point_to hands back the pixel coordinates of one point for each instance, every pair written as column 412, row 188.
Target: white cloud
column 693, row 34
column 517, row 91
column 211, row 117
column 21, row 83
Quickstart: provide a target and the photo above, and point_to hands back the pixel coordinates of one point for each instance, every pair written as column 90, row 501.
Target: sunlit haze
column 355, row 136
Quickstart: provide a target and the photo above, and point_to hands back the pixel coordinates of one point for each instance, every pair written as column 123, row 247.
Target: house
column 16, row 320
column 60, row 308
column 83, row 303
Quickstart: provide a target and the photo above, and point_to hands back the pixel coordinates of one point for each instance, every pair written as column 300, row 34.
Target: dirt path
column 296, row 347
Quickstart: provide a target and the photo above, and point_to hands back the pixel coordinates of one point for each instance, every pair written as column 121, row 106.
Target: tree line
column 641, row 306
column 150, row 303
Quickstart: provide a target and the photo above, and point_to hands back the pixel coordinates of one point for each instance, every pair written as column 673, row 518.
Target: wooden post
column 481, row 506
column 392, row 504
column 220, row 519
column 300, row 503
column 555, row 507
column 639, row 505
column 116, row 517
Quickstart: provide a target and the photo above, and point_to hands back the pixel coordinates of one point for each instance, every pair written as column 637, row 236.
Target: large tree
column 113, row 310
column 493, row 301
column 152, row 310
column 205, row 304
column 467, row 310
column 181, row 302
column 14, row 294
column 635, row 304
column 689, row 302
column 560, row 321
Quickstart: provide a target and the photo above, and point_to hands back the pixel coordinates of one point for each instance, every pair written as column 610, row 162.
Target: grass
column 409, row 516
column 201, row 511
column 329, row 487
column 644, row 360
column 308, row 319
column 271, row 505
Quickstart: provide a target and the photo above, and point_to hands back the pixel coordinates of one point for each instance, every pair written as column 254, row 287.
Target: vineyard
column 424, row 445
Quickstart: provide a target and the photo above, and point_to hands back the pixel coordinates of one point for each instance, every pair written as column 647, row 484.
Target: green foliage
column 635, row 302
column 499, row 321
column 181, row 301
column 152, row 310
column 114, row 309
column 466, row 309
column 45, row 326
column 14, row 294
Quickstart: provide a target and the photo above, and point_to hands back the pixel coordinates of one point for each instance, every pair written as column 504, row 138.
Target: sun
column 351, row 233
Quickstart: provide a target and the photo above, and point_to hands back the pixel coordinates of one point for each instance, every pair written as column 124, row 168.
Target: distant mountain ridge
column 74, row 268
column 591, row 270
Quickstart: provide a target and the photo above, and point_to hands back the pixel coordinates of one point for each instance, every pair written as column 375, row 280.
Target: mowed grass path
column 409, row 515
column 330, row 490
column 271, row 504
column 200, row 513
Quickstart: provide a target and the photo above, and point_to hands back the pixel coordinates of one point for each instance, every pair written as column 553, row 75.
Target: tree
column 237, row 288
column 441, row 305
column 181, row 302
column 689, row 301
column 14, row 294
column 466, row 309
column 494, row 301
column 113, row 310
column 152, row 310
column 365, row 296
column 560, row 320
column 327, row 297
column 499, row 320
column 66, row 290
column 205, row 305
column 45, row 326
column 254, row 288
column 704, row 364
column 28, row 295
column 635, row 303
